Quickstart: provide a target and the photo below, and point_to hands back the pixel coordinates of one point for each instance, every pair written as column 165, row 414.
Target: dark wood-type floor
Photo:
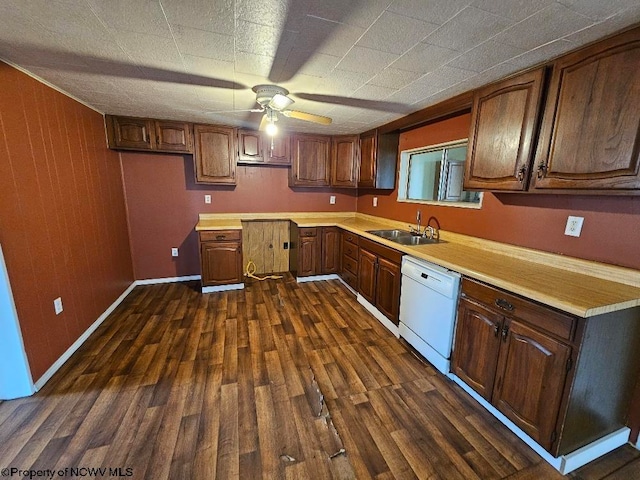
column 280, row 380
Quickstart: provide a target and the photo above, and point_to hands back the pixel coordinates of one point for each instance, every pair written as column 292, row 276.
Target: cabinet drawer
column 307, row 232
column 220, row 235
column 511, row 305
column 381, row 250
column 350, row 279
column 349, row 265
column 350, row 237
column 349, row 249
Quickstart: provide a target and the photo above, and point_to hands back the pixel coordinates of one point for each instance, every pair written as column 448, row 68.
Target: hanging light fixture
column 271, row 127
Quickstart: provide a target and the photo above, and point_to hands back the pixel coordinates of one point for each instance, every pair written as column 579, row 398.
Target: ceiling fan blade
column 382, row 105
column 252, row 110
column 308, row 117
column 263, row 123
column 308, row 23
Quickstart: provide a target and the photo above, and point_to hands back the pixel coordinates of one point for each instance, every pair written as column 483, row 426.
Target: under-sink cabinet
column 563, row 380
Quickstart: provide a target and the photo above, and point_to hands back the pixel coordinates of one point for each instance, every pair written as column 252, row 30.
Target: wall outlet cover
column 174, row 252
column 332, row 199
column 57, row 305
column 375, row 201
column 207, row 199
column 574, row 226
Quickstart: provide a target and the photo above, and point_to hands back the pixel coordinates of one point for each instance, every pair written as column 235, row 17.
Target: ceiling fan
column 273, row 100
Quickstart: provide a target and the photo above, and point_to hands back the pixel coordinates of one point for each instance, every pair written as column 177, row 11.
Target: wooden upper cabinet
column 503, row 124
column 345, row 161
column 144, row 134
column 378, row 159
column 276, row 150
column 129, row 133
column 215, row 154
column 310, row 161
column 250, row 146
column 173, row 136
column 590, row 135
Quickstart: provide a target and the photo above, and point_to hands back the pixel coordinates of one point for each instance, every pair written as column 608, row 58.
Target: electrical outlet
column 174, row 252
column 57, row 305
column 207, row 199
column 332, row 199
column 375, row 201
column 574, row 226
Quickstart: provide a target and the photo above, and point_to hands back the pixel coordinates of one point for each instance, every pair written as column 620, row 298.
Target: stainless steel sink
column 390, row 234
column 403, row 237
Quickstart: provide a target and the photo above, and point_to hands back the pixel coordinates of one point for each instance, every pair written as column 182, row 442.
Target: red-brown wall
column 164, row 201
column 611, row 231
column 63, row 225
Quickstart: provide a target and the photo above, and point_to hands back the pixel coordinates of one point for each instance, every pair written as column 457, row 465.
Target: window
column 435, row 174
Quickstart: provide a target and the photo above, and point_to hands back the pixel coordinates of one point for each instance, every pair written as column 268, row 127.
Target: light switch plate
column 207, row 199
column 375, row 201
column 574, row 226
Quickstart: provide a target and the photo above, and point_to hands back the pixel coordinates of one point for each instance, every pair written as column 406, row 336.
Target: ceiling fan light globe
column 271, row 129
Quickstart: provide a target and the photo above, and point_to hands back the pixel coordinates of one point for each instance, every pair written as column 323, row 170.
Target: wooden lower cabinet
column 565, row 381
column 349, row 251
column 221, row 257
column 379, row 277
column 318, row 252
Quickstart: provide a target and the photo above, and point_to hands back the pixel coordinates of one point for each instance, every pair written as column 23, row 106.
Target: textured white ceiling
column 361, row 62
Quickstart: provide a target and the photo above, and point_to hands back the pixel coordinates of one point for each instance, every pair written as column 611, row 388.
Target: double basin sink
column 403, row 237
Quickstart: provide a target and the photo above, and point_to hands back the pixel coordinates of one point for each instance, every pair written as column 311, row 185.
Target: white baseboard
column 71, row 350
column 223, row 288
column 317, row 278
column 565, row 463
column 153, row 281
column 392, row 327
column 351, row 289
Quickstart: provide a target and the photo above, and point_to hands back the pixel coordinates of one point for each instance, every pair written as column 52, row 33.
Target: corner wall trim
column 83, row 338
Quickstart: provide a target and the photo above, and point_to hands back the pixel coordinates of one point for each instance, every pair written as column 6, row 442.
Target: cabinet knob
column 496, row 329
column 542, row 168
column 505, row 332
column 521, row 173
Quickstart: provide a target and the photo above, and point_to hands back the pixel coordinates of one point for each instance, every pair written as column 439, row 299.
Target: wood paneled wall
column 63, row 224
column 164, row 201
column 611, row 231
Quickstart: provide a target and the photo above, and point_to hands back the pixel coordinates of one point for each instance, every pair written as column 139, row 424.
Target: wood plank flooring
column 277, row 381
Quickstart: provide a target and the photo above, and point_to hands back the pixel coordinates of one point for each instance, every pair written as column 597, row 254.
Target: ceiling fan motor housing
column 264, row 93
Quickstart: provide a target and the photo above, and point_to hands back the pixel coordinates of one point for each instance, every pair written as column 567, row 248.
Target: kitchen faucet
column 416, row 230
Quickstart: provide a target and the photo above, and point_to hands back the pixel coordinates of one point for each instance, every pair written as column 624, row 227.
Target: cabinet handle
column 503, row 304
column 505, row 332
column 496, row 329
column 521, row 173
column 542, row 168
column 219, row 237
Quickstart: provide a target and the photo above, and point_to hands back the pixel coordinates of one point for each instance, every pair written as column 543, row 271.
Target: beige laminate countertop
column 576, row 286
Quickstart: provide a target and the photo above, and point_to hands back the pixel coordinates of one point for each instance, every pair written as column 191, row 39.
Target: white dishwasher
column 428, row 303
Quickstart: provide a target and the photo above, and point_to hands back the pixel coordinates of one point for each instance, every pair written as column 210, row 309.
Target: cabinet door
column 503, row 124
column 344, row 161
column 530, row 381
column 367, row 171
column 367, row 266
column 330, row 250
column 590, row 138
column 250, row 147
column 477, row 341
column 173, row 136
column 388, row 289
column 215, row 154
column 221, row 263
column 131, row 133
column 311, row 164
column 276, row 150
column 308, row 256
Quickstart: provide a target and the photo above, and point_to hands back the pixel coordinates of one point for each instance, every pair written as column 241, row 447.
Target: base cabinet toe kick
column 562, row 383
